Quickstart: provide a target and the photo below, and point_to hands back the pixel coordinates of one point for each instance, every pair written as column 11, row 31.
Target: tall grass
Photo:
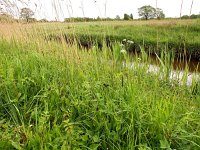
column 55, row 96
column 180, row 36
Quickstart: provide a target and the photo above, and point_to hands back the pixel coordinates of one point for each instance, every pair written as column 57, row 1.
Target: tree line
column 193, row 16
column 145, row 12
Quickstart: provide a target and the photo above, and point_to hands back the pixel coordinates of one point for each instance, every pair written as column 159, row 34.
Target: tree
column 131, row 16
column 193, row 16
column 126, row 17
column 185, row 17
column 26, row 14
column 159, row 13
column 98, row 18
column 147, row 12
column 117, row 17
column 4, row 17
column 43, row 20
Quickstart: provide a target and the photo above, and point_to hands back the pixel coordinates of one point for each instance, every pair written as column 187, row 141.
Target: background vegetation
column 178, row 36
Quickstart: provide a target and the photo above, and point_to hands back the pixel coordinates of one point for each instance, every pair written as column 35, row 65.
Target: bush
column 6, row 18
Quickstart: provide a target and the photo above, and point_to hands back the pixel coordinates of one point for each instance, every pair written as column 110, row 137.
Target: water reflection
column 184, row 72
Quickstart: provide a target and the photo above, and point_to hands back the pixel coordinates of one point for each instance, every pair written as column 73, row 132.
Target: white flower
column 124, row 40
column 123, row 51
column 130, row 42
column 121, row 46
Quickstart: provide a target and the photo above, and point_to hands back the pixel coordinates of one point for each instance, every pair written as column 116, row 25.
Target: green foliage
column 43, row 20
column 6, row 18
column 193, row 16
column 26, row 14
column 174, row 35
column 185, row 17
column 131, row 16
column 55, row 96
column 86, row 19
column 147, row 12
column 68, row 99
column 159, row 13
column 117, row 17
column 126, row 17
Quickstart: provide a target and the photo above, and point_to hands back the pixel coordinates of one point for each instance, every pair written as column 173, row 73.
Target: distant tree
column 32, row 20
column 98, row 18
column 26, row 14
column 193, row 16
column 131, row 16
column 117, row 17
column 43, row 20
column 159, row 13
column 4, row 17
column 185, row 17
column 147, row 12
column 126, row 17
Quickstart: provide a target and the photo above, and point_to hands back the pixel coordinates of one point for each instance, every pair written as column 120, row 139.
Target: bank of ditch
column 178, row 38
column 58, row 97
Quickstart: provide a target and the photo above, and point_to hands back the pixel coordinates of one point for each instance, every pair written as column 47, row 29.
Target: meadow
column 55, row 95
column 178, row 36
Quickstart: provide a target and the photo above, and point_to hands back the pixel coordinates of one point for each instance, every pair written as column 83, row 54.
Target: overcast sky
column 59, row 9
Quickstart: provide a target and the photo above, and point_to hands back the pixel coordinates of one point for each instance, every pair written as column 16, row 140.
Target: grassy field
column 56, row 96
column 178, row 36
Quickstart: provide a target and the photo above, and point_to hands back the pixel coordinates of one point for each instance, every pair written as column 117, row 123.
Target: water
column 193, row 65
column 184, row 71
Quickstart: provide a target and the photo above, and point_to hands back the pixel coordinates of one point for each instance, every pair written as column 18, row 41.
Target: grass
column 180, row 36
column 55, row 96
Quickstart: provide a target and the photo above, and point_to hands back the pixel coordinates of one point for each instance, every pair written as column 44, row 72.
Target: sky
column 60, row 9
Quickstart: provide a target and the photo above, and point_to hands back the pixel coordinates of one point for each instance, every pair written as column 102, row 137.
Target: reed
column 56, row 96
